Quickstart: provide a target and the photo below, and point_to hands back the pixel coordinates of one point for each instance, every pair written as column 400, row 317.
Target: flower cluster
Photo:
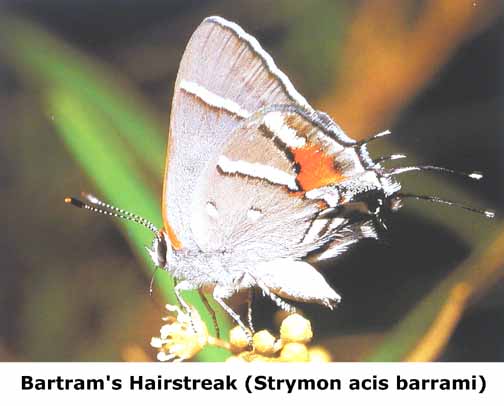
column 292, row 346
column 184, row 335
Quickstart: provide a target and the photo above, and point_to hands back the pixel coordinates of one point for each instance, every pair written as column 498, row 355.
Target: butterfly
column 259, row 186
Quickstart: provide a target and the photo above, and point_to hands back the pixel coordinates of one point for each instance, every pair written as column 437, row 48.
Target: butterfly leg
column 250, row 301
column 179, row 287
column 219, row 295
column 211, row 311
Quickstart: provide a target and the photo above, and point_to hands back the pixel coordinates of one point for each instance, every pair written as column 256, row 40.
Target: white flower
column 182, row 337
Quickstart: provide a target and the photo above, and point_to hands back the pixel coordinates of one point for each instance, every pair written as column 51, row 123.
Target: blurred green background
column 85, row 93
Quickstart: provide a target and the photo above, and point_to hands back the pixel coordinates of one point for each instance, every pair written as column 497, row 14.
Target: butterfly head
column 160, row 249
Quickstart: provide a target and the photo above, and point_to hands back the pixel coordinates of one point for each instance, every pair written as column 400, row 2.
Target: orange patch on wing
column 316, row 168
column 175, row 242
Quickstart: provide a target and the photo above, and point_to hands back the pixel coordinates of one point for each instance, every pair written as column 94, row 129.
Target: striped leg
column 250, row 301
column 211, row 311
column 219, row 295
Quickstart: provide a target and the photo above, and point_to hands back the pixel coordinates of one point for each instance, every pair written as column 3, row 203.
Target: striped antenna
column 404, row 169
column 392, row 157
column 99, row 207
column 435, row 199
column 374, row 137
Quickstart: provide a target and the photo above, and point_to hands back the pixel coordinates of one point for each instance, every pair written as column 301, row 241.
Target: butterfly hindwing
column 256, row 192
column 245, row 202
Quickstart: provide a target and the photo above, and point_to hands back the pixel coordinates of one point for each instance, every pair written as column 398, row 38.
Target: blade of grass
column 46, row 60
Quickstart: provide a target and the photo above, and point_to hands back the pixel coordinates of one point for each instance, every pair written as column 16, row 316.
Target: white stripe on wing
column 213, row 99
column 257, row 170
column 275, row 123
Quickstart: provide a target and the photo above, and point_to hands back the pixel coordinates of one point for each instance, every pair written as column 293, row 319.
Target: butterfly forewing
column 224, row 77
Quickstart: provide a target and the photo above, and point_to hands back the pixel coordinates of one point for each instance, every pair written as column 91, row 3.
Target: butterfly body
column 259, row 186
column 251, row 169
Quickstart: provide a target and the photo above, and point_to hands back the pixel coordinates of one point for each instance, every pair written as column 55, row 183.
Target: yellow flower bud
column 296, row 328
column 294, row 352
column 319, row 354
column 238, row 339
column 264, row 342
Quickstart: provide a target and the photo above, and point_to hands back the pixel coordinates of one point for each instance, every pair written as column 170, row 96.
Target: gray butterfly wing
column 268, row 185
column 247, row 207
column 250, row 205
column 223, row 77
